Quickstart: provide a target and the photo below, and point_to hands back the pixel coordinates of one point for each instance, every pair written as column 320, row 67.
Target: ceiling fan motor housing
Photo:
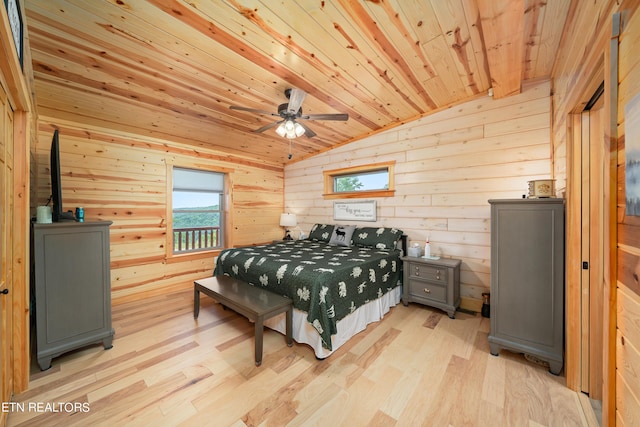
column 283, row 111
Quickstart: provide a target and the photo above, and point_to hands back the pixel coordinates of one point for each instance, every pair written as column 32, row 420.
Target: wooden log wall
column 448, row 165
column 122, row 178
column 582, row 64
column 628, row 245
column 17, row 134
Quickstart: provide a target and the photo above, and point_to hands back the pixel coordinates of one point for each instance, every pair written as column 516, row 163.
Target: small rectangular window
column 360, row 181
column 364, row 181
column 197, row 210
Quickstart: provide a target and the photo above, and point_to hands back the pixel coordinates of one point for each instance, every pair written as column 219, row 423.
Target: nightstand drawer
column 428, row 272
column 430, row 291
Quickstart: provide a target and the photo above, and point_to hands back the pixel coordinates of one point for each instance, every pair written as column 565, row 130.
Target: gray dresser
column 527, row 278
column 72, row 292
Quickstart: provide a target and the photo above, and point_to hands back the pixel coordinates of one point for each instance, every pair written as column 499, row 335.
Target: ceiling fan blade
column 341, row 117
column 269, row 126
column 296, row 96
column 252, row 110
column 307, row 131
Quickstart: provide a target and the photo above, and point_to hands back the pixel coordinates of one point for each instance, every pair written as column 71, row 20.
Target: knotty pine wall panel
column 580, row 54
column 122, row 178
column 627, row 356
column 448, row 165
column 628, row 290
column 582, row 64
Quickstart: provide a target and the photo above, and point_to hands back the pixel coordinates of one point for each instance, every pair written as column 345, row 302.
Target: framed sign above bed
column 361, row 210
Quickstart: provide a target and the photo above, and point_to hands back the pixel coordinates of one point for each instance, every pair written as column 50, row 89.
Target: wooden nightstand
column 435, row 283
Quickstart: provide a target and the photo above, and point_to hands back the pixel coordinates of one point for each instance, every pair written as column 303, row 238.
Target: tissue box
column 414, row 251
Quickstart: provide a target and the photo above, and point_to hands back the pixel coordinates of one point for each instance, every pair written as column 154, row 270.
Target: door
column 592, row 299
column 6, row 259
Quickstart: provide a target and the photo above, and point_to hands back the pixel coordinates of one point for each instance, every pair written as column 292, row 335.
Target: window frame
column 225, row 212
column 331, row 175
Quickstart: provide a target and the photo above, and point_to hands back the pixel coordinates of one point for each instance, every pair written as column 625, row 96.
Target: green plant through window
column 371, row 180
column 365, row 181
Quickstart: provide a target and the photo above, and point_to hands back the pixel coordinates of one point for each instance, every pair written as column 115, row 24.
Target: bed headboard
column 404, row 240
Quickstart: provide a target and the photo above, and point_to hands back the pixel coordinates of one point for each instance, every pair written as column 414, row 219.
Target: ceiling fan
column 290, row 113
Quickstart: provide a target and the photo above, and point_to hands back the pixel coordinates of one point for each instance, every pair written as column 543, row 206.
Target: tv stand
column 66, row 216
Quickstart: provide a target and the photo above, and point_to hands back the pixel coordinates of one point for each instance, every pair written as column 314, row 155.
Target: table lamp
column 287, row 220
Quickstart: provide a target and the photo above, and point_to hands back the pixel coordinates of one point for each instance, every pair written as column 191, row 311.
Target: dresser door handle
column 5, row 291
column 427, row 290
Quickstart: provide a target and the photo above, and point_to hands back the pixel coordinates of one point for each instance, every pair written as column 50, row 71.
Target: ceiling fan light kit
column 290, row 129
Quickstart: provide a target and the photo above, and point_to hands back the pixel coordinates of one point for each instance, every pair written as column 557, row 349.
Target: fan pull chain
column 290, row 147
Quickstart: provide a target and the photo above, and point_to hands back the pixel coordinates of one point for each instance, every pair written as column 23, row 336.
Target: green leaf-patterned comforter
column 327, row 282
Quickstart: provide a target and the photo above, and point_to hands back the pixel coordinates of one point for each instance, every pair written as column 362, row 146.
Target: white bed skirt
column 355, row 322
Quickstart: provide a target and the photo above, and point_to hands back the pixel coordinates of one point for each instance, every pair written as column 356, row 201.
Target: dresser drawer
column 428, row 272
column 431, row 291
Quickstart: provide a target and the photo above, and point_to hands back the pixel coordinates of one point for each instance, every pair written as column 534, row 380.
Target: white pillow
column 341, row 235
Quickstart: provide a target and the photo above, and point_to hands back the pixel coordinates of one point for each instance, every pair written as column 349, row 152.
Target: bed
column 340, row 279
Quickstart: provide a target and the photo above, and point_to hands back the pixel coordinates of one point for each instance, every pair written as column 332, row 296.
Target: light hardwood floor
column 415, row 367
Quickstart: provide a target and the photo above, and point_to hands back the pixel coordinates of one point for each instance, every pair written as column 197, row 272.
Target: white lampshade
column 299, row 130
column 288, row 220
column 290, row 129
column 289, row 126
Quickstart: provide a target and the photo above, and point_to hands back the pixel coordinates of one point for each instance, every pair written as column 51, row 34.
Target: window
column 374, row 180
column 197, row 210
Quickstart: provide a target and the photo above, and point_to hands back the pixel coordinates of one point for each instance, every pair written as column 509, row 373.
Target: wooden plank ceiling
column 171, row 69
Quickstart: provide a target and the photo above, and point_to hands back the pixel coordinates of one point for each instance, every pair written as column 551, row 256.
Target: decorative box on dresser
column 72, row 289
column 431, row 282
column 527, row 278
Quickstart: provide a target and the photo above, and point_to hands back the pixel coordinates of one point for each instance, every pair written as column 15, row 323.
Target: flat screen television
column 56, row 189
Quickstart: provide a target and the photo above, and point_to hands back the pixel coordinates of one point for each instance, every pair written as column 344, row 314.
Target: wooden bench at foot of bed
column 254, row 303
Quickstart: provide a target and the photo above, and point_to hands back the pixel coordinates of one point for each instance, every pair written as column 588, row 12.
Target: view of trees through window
column 197, row 210
column 374, row 180
column 196, row 227
column 205, row 216
column 197, row 216
column 348, row 183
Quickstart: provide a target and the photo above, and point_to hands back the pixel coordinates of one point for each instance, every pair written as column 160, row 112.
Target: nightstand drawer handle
column 427, row 290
